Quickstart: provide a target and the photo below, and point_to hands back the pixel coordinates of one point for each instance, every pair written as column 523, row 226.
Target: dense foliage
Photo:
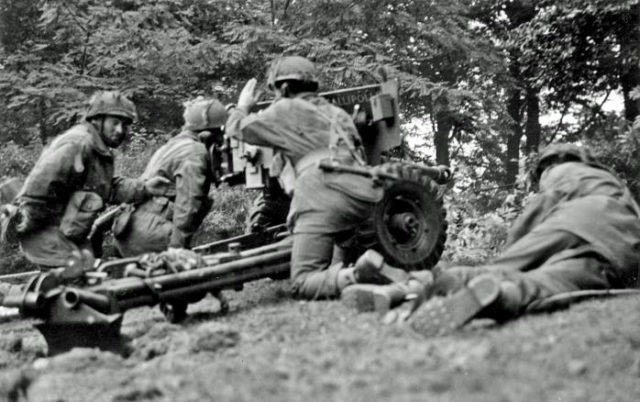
column 476, row 75
column 484, row 83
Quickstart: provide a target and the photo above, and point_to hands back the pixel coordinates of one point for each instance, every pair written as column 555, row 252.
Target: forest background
column 484, row 83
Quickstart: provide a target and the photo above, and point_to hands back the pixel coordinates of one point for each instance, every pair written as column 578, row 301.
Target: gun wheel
column 174, row 312
column 409, row 224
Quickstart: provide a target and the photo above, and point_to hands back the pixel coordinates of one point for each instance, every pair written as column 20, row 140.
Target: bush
column 17, row 160
column 477, row 234
column 227, row 216
column 619, row 148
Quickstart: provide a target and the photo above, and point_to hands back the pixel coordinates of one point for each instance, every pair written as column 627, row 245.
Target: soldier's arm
column 534, row 214
column 127, row 190
column 256, row 128
column 45, row 194
column 55, row 176
column 192, row 188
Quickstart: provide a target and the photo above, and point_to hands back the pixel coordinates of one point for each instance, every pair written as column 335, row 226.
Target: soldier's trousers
column 539, row 265
column 50, row 248
column 315, row 262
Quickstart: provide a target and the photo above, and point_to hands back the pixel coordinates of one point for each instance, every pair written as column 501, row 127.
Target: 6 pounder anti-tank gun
column 84, row 305
column 408, row 227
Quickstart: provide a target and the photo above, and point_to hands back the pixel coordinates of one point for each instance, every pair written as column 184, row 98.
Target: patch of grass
column 228, row 214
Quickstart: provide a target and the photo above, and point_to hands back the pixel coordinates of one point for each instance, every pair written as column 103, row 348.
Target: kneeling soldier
column 71, row 183
column 163, row 222
column 304, row 129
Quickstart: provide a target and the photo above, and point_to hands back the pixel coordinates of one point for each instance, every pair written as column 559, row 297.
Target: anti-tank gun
column 408, row 226
column 80, row 306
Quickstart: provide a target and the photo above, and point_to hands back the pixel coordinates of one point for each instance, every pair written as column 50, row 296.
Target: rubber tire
column 426, row 197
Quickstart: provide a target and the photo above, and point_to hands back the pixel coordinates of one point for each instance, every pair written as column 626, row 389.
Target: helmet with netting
column 202, row 114
column 292, row 68
column 111, row 103
column 563, row 152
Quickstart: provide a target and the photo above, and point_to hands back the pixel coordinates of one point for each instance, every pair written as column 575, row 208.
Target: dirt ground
column 271, row 348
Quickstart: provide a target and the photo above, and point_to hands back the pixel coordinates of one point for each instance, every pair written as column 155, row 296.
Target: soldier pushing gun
column 305, row 129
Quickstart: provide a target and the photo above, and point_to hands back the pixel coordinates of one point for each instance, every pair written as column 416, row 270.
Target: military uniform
column 306, row 129
column 69, row 186
column 581, row 232
column 163, row 222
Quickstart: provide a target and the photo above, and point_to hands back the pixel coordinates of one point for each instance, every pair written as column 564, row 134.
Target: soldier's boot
column 442, row 315
column 371, row 268
column 381, row 298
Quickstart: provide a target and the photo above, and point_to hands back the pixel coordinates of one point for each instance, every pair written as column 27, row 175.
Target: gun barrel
column 133, row 292
column 440, row 174
column 72, row 297
column 340, row 97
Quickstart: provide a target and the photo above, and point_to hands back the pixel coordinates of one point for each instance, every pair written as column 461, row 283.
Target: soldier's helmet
column 203, row 114
column 111, row 103
column 563, row 152
column 294, row 68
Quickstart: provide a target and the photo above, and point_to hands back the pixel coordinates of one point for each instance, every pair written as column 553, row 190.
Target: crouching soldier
column 581, row 232
column 304, row 129
column 71, row 183
column 163, row 222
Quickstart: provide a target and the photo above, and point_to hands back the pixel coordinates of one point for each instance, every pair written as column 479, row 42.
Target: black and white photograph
column 319, row 200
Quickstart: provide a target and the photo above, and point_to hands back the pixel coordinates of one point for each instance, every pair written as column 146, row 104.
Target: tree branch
column 273, row 12
column 595, row 111
column 555, row 133
column 286, row 7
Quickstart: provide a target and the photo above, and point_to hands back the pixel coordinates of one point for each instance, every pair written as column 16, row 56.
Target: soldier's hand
column 159, row 186
column 24, row 222
column 248, row 97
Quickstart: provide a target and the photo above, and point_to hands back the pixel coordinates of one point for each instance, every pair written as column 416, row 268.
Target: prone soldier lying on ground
column 72, row 181
column 304, row 129
column 185, row 160
column 581, row 232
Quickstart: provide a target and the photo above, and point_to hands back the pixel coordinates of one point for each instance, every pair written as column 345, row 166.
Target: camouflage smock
column 588, row 202
column 77, row 167
column 322, row 202
column 163, row 222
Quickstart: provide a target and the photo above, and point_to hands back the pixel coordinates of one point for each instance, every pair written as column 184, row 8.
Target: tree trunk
column 42, row 121
column 513, row 140
column 629, row 80
column 630, row 70
column 532, row 128
column 441, row 138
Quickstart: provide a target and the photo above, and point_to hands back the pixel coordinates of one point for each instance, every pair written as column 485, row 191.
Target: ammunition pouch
column 156, row 207
column 82, row 210
column 121, row 222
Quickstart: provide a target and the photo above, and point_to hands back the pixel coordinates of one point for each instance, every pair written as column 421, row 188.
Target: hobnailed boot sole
column 365, row 297
column 440, row 316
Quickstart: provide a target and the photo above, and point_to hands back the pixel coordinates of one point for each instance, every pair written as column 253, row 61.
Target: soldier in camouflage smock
column 304, row 128
column 185, row 161
column 581, row 232
column 73, row 180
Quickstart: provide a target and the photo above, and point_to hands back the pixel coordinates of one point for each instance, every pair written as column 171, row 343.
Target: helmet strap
column 101, row 125
column 284, row 89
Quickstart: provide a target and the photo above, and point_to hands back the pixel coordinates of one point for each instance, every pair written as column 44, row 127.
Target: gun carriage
column 84, row 305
